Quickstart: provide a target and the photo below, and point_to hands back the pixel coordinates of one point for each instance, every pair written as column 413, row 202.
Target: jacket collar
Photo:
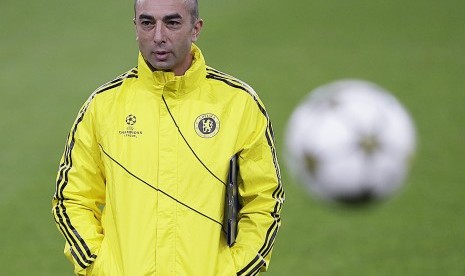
column 161, row 81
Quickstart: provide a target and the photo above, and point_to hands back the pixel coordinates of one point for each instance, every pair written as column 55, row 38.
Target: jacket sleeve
column 80, row 193
column 261, row 196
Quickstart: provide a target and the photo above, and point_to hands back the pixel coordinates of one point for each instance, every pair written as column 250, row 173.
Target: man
column 141, row 184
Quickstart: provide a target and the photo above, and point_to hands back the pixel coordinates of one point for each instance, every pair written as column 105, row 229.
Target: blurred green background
column 55, row 53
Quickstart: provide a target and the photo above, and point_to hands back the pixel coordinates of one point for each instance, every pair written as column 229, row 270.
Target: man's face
column 165, row 33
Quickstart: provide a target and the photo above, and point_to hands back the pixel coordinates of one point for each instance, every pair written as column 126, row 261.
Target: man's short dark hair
column 192, row 6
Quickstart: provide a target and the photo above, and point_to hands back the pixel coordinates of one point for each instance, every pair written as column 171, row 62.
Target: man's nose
column 159, row 35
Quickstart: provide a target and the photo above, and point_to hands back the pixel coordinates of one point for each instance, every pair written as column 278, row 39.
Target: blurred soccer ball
column 350, row 141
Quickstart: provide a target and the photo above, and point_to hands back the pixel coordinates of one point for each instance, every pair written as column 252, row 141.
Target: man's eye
column 146, row 23
column 174, row 23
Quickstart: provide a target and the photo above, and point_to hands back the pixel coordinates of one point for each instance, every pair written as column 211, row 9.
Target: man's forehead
column 161, row 8
column 161, row 3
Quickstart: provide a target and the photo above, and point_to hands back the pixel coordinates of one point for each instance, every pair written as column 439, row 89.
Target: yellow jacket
column 141, row 184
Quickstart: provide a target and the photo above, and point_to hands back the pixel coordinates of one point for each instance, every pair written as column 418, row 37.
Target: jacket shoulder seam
column 238, row 84
column 118, row 81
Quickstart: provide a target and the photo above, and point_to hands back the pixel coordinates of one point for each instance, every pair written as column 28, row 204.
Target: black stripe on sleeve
column 69, row 231
column 278, row 193
column 81, row 264
column 80, row 250
column 253, row 267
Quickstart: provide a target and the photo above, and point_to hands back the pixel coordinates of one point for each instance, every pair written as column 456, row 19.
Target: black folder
column 232, row 206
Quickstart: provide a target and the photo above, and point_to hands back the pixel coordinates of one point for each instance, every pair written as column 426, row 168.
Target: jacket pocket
column 225, row 266
column 96, row 267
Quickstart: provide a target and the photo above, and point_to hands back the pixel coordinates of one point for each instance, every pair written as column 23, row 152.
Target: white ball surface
column 350, row 141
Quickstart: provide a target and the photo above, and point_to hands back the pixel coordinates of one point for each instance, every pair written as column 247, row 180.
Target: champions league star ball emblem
column 131, row 120
column 207, row 125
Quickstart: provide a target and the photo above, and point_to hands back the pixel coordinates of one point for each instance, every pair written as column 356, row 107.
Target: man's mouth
column 161, row 55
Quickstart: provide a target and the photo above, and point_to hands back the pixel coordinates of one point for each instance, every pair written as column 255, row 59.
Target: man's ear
column 135, row 27
column 196, row 30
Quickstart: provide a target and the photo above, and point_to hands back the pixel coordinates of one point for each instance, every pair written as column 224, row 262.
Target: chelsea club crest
column 207, row 125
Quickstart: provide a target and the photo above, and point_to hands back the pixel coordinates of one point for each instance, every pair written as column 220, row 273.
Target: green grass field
column 55, row 53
